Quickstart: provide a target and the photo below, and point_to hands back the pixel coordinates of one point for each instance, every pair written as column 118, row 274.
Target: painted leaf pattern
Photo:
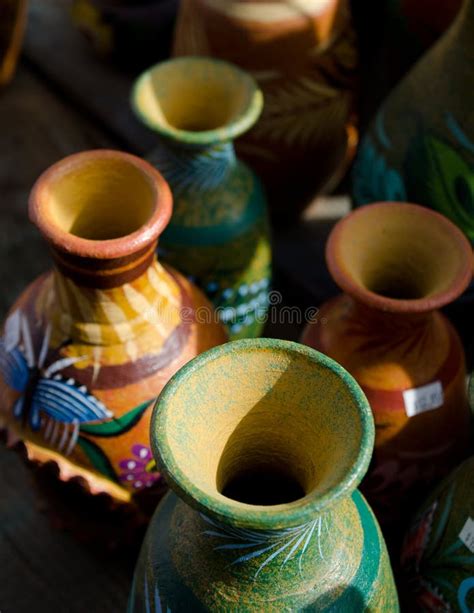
column 268, row 545
column 438, row 177
column 301, row 113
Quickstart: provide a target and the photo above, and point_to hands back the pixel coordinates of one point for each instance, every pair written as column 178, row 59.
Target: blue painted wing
column 13, row 367
column 63, row 401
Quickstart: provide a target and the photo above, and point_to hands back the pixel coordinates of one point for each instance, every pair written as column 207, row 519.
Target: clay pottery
column 12, row 25
column 397, row 264
column 393, row 35
column 218, row 233
column 87, row 348
column 420, row 146
column 253, row 438
column 304, row 58
column 131, row 33
column 438, row 551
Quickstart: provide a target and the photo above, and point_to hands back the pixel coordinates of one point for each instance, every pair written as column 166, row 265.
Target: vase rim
column 343, row 278
column 253, row 516
column 128, row 244
column 239, row 124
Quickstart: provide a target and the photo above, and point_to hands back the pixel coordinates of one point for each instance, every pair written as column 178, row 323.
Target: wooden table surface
column 63, row 100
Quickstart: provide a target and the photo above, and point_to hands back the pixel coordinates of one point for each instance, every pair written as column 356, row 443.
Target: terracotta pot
column 131, row 33
column 87, row 348
column 12, row 25
column 304, row 58
column 438, row 551
column 397, row 264
column 218, row 234
column 420, row 146
column 252, row 436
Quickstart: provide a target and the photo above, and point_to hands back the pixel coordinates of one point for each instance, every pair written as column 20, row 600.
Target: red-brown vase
column 87, row 348
column 397, row 264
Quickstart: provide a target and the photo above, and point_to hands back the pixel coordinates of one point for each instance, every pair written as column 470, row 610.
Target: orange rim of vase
column 349, row 285
column 40, row 214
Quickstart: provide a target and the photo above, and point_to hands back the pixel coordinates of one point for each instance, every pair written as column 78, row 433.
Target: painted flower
column 373, row 180
column 139, row 470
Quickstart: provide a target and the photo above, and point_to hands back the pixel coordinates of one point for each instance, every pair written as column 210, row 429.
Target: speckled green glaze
column 263, row 402
column 219, row 232
column 438, row 552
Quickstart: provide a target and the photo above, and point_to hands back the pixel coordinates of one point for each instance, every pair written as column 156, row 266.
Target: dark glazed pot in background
column 420, row 146
column 438, row 550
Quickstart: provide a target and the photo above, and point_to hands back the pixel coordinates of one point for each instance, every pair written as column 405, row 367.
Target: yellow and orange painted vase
column 87, row 348
column 397, row 264
column 304, row 57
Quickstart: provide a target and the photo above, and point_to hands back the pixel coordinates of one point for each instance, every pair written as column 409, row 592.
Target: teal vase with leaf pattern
column 420, row 146
column 218, row 234
column 265, row 516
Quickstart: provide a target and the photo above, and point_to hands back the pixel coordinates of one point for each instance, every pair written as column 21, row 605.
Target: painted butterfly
column 46, row 398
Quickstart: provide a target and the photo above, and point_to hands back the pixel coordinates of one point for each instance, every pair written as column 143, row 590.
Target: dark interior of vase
column 100, row 198
column 398, row 252
column 263, row 484
column 267, row 429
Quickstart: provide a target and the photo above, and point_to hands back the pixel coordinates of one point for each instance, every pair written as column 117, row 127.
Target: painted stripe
column 364, row 581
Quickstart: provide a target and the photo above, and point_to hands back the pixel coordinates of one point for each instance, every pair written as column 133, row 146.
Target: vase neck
column 196, row 168
column 388, row 322
column 110, row 302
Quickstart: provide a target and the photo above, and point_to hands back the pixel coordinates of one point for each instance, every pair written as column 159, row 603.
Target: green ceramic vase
column 219, row 233
column 438, row 552
column 420, row 146
column 264, row 442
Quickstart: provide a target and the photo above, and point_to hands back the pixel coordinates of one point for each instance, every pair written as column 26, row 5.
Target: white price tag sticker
column 467, row 534
column 424, row 398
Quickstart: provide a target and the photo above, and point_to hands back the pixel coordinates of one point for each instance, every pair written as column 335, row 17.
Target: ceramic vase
column 393, row 35
column 304, row 58
column 420, row 146
column 12, row 25
column 438, row 551
column 397, row 264
column 87, row 348
column 129, row 32
column 218, row 233
column 253, row 438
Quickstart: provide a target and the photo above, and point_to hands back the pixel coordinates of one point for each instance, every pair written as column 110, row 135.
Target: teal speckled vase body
column 420, row 146
column 266, row 515
column 219, row 233
column 438, row 552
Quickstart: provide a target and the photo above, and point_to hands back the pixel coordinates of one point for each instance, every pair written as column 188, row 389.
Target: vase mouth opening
column 197, row 100
column 255, row 433
column 100, row 204
column 399, row 257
